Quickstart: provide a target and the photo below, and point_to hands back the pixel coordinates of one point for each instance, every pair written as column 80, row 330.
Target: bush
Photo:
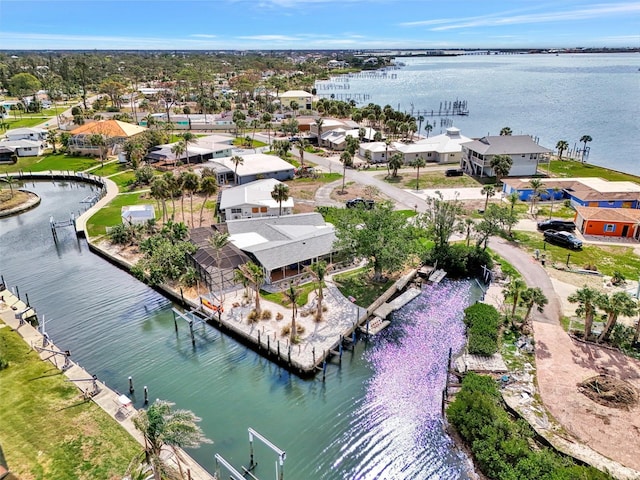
column 503, row 447
column 266, row 315
column 483, row 322
column 279, row 316
column 76, row 111
column 253, row 316
column 4, row 363
column 461, row 261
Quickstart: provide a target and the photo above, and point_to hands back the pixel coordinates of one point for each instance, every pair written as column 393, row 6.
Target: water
column 551, row 97
column 376, row 416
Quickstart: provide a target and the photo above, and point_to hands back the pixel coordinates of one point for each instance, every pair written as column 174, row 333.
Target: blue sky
column 316, row 24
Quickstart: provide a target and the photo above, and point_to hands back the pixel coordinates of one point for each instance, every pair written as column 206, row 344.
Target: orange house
column 608, row 222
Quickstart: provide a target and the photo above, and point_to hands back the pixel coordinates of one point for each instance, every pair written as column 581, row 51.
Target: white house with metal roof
column 525, row 153
column 253, row 200
column 254, row 166
column 378, row 151
column 137, row 214
column 284, row 245
column 34, row 134
column 24, row 148
column 444, row 148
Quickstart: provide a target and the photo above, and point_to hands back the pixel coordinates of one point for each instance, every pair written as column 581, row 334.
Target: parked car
column 560, row 225
column 563, row 239
column 453, row 172
column 360, row 202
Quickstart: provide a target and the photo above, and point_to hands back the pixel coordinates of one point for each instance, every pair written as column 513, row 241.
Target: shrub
column 76, row 111
column 4, row 363
column 286, row 330
column 266, row 315
column 253, row 316
column 279, row 316
column 483, row 322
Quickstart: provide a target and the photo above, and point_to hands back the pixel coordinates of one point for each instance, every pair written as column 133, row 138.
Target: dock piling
column 146, row 395
column 131, row 389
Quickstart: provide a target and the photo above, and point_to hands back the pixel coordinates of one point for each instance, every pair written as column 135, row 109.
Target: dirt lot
column 355, row 190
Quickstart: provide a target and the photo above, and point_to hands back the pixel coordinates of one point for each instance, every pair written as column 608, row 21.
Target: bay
column 549, row 97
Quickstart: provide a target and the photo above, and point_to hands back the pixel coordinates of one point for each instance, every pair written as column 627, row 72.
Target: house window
column 429, row 154
column 236, row 210
column 263, row 209
column 609, row 227
column 255, row 210
column 611, row 204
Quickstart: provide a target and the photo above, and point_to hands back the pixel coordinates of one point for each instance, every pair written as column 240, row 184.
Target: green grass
column 570, row 168
column 323, row 177
column 508, row 269
column 125, row 181
column 110, row 169
column 109, row 215
column 358, row 284
column 431, row 180
column 50, row 162
column 607, row 258
column 281, row 299
column 24, row 122
column 239, row 142
column 48, row 431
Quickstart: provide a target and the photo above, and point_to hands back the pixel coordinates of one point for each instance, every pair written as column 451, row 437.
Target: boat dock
column 386, row 309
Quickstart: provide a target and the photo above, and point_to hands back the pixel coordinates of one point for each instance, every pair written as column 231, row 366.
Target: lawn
column 606, row 258
column 109, row 215
column 48, row 431
column 59, row 161
column 25, row 122
column 281, row 299
column 570, row 168
column 240, row 142
column 358, row 284
column 110, row 169
column 431, row 180
column 125, row 181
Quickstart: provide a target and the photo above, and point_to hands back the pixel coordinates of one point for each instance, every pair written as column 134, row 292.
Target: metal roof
column 505, row 145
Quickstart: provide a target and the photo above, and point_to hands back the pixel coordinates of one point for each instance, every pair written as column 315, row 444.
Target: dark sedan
column 563, row 239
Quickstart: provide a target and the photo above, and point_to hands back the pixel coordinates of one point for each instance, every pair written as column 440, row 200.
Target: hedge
column 483, row 322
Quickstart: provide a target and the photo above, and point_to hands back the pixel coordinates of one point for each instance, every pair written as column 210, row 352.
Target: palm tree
column 555, row 191
column 280, row 193
column 585, row 139
column 588, row 300
column 218, row 241
column 98, row 140
column 428, row 127
column 174, row 188
column 180, row 181
column 160, row 425
column 188, row 138
column 208, row 187
column 347, row 161
column 562, row 146
column 387, row 142
column 420, row 120
column 501, row 165
column 506, row 131
column 255, row 276
column 418, row 163
column 52, row 138
column 396, row 162
column 302, row 144
column 191, row 185
column 237, row 160
column 160, row 191
column 537, row 188
column 619, row 303
column 319, row 123
column 292, row 294
column 533, row 297
column 488, row 191
column 266, row 120
column 10, row 181
column 513, row 290
column 294, row 107
column 468, row 229
column 319, row 271
column 178, row 150
column 512, row 198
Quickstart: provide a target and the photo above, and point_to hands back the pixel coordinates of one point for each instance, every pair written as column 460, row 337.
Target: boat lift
column 236, row 475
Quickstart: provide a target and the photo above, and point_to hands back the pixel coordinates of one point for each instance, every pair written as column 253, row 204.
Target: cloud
column 507, row 18
column 269, row 38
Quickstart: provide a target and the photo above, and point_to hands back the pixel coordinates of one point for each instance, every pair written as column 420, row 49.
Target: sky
column 316, row 24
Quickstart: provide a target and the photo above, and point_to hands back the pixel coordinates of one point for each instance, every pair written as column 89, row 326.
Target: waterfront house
column 253, row 199
column 284, row 245
column 137, row 214
column 331, row 124
column 114, row 132
column 201, row 150
column 608, row 222
column 302, row 98
column 254, row 166
column 378, row 151
column 525, row 153
column 444, row 148
column 24, row 148
column 581, row 192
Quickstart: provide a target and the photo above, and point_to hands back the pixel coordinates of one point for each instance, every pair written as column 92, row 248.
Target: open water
column 550, row 97
column 377, row 416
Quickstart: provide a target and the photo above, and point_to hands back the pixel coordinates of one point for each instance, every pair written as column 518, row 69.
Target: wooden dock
column 386, row 308
column 437, row 276
column 374, row 326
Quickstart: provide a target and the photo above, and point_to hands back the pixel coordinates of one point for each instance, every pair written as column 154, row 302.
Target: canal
column 377, row 415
